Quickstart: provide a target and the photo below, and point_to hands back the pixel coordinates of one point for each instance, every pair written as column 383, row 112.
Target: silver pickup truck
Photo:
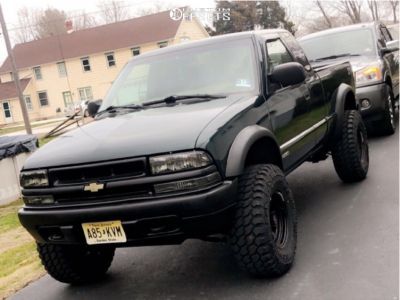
column 374, row 57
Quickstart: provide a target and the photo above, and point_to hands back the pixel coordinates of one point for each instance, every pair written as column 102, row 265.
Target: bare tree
column 154, row 7
column 51, row 22
column 324, row 13
column 83, row 20
column 373, row 7
column 351, row 8
column 27, row 25
column 112, row 11
column 394, row 4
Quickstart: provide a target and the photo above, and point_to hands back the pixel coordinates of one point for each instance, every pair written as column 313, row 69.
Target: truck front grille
column 122, row 180
column 106, row 171
column 132, row 192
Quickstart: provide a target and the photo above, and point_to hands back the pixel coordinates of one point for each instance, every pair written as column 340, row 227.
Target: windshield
column 220, row 68
column 354, row 42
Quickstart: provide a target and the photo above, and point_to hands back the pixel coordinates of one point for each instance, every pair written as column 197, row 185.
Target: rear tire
column 350, row 153
column 75, row 264
column 263, row 237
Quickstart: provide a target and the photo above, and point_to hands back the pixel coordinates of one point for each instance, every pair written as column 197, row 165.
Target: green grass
column 9, row 221
column 19, row 264
column 17, row 257
column 15, row 204
column 10, row 130
column 8, row 216
column 43, row 141
column 22, row 127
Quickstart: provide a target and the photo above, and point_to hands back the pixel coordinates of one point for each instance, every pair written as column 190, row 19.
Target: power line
column 77, row 16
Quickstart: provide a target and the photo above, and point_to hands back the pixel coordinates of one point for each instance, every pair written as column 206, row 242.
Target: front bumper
column 376, row 95
column 169, row 220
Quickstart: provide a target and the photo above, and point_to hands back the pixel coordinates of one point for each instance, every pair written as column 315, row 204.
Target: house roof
column 9, row 91
column 142, row 30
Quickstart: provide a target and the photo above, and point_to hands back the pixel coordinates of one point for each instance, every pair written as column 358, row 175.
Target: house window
column 85, row 64
column 38, row 73
column 43, row 100
column 62, row 69
column 162, row 44
column 110, row 59
column 135, row 51
column 11, row 76
column 67, row 98
column 85, row 93
column 28, row 102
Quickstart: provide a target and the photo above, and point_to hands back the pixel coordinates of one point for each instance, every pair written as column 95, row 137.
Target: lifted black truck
column 194, row 141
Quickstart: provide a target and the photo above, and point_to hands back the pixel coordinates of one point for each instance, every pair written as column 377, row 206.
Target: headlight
column 34, row 178
column 176, row 162
column 368, row 74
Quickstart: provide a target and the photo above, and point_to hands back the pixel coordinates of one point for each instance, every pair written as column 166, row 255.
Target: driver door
column 290, row 109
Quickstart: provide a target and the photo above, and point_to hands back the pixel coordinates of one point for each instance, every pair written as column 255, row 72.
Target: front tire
column 263, row 237
column 350, row 153
column 387, row 125
column 75, row 264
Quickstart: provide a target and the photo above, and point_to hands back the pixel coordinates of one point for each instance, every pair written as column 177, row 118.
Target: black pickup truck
column 194, row 141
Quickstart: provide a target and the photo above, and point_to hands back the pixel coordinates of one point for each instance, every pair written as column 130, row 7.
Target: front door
column 290, row 110
column 67, row 99
column 7, row 112
column 392, row 60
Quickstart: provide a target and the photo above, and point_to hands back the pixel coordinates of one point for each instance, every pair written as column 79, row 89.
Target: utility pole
column 15, row 74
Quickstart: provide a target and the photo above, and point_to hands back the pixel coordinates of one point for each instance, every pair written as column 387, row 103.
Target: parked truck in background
column 194, row 141
column 374, row 57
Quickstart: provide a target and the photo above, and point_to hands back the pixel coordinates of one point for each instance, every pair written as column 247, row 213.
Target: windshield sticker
column 243, row 83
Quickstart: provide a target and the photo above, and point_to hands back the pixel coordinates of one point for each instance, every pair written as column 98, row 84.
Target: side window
column 43, row 99
column 294, row 48
column 381, row 39
column 277, row 54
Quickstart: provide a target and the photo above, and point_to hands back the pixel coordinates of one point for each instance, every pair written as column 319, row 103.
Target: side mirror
column 286, row 74
column 93, row 107
column 390, row 47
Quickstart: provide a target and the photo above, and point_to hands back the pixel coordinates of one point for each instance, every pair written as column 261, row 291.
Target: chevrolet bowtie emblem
column 94, row 187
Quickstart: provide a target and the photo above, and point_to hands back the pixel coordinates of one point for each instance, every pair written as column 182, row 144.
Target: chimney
column 68, row 26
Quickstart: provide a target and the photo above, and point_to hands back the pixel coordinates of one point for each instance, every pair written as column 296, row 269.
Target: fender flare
column 339, row 98
column 241, row 146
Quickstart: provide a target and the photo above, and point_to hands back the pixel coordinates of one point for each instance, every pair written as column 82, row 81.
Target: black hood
column 145, row 132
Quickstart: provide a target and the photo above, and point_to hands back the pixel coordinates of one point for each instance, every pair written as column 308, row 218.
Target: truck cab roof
column 371, row 25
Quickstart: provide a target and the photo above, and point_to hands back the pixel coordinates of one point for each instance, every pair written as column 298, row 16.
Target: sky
column 10, row 8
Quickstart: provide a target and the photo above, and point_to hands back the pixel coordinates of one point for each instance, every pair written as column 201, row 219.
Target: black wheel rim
column 391, row 112
column 362, row 147
column 278, row 215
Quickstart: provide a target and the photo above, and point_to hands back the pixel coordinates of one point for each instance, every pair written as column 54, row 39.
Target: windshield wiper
column 173, row 98
column 114, row 108
column 335, row 56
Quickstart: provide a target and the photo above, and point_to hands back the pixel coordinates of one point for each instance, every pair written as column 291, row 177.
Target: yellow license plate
column 104, row 232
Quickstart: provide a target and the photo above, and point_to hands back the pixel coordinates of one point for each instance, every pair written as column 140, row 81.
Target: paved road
column 347, row 248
